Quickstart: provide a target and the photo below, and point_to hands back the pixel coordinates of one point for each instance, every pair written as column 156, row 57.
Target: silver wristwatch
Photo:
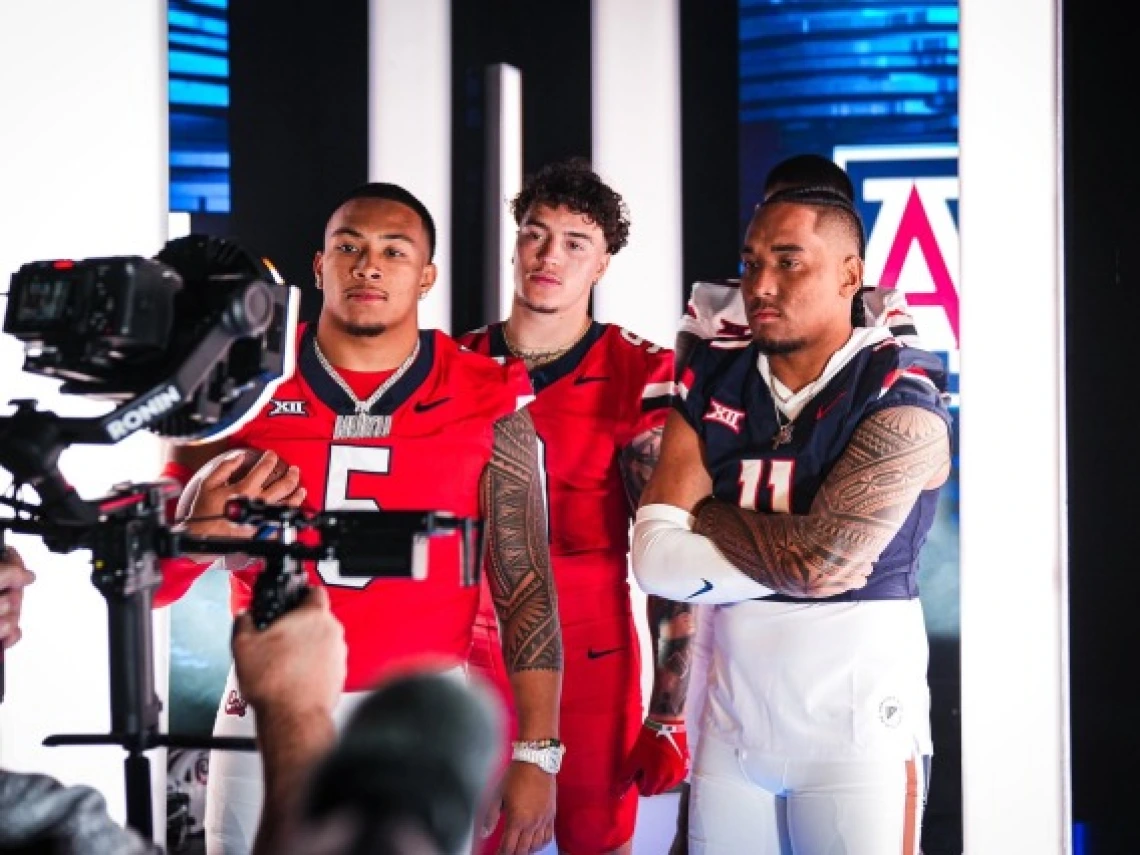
column 546, row 754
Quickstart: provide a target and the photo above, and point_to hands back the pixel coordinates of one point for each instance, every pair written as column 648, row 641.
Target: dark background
column 298, row 134
column 1102, row 303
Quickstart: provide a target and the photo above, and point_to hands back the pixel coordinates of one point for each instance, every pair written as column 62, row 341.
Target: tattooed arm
column 637, row 462
column 659, row 758
column 522, row 587
column 519, row 576
column 893, row 456
column 670, row 623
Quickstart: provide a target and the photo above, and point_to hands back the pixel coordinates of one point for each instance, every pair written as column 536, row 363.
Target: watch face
column 549, row 760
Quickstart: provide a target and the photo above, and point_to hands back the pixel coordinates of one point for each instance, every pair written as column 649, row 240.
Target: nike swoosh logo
column 708, row 586
column 424, row 406
column 823, row 411
column 598, row 654
column 583, row 380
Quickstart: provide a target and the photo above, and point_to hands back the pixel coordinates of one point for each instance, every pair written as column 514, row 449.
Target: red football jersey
column 591, row 403
column 443, row 411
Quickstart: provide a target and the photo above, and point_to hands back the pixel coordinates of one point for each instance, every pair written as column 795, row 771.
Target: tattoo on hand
column 858, row 510
column 518, row 554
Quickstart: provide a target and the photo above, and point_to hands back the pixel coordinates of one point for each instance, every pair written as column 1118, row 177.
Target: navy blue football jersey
column 726, row 400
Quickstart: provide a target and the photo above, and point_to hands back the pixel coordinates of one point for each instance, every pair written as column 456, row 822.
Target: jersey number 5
column 344, row 462
column 778, row 480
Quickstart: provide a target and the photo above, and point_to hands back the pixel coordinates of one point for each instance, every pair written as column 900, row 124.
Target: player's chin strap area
column 672, row 562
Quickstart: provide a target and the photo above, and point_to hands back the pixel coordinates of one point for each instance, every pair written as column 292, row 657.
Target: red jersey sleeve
column 649, row 389
column 518, row 383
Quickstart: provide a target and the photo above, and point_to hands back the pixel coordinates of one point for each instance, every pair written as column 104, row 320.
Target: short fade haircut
column 574, row 184
column 809, row 171
column 393, row 193
column 828, row 201
column 836, row 207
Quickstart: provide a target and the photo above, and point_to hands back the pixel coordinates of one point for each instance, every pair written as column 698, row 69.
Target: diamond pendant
column 783, row 436
column 362, row 426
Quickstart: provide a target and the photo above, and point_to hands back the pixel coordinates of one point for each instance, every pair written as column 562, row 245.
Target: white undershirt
column 791, row 403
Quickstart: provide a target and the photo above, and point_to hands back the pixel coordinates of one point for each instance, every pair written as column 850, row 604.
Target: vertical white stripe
column 409, row 120
column 636, row 94
column 84, row 173
column 1013, row 566
column 636, row 127
column 503, row 180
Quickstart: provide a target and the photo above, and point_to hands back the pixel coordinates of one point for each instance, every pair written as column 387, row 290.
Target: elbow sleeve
column 672, row 562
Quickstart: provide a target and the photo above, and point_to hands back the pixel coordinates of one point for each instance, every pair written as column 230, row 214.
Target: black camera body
column 185, row 342
column 80, row 320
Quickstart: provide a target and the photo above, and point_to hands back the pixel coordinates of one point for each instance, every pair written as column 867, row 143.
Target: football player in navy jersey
column 715, row 310
column 797, row 482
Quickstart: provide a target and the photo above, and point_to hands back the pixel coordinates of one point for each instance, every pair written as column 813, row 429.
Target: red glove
column 659, row 760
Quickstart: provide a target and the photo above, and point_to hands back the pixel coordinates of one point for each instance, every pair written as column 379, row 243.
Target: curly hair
column 574, row 184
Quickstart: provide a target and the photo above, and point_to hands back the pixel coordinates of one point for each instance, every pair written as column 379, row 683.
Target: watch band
column 546, row 754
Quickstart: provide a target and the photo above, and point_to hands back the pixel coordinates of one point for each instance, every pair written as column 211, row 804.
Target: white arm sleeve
column 672, row 562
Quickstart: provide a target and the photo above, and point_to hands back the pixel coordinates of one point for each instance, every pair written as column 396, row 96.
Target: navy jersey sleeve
column 915, row 379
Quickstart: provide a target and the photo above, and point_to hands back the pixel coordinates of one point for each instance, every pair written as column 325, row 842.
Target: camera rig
column 188, row 345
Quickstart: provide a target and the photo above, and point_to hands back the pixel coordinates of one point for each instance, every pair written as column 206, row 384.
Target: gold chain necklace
column 538, row 358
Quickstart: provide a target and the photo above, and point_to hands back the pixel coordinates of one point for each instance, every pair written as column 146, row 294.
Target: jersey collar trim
column 564, row 365
column 333, row 397
column 792, row 404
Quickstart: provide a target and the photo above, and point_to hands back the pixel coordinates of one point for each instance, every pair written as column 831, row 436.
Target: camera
column 187, row 338
column 82, row 320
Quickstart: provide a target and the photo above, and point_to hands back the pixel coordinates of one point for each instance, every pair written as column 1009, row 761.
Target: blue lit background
column 819, row 73
column 199, row 106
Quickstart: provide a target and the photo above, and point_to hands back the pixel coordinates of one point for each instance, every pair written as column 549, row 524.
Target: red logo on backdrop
column 730, row 417
column 908, row 198
column 915, row 229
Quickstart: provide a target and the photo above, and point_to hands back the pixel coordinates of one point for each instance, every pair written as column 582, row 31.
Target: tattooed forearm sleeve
column 637, row 461
column 671, row 627
column 858, row 510
column 518, row 556
column 670, row 623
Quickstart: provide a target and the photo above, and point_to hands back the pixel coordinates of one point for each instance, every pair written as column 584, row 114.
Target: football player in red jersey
column 602, row 396
column 380, row 415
